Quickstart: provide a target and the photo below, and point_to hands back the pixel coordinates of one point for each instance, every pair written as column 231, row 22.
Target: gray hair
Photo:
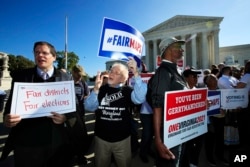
column 123, row 68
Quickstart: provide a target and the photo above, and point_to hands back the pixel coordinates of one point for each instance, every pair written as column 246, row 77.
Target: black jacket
column 166, row 78
column 35, row 131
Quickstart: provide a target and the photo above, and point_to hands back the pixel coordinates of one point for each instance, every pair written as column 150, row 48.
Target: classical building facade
column 236, row 55
column 201, row 34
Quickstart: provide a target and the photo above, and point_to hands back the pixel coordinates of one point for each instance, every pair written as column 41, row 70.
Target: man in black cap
column 166, row 78
column 191, row 77
column 193, row 146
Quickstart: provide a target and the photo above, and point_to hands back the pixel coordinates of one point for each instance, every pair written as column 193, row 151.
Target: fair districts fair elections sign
column 32, row 100
column 185, row 115
column 120, row 41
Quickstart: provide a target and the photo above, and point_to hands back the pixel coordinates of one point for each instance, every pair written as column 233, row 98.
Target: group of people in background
column 219, row 77
column 47, row 141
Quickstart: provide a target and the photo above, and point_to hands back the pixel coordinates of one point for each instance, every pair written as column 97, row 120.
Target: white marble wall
column 201, row 51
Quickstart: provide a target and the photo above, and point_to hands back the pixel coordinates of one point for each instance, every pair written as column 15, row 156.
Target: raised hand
column 98, row 81
column 132, row 65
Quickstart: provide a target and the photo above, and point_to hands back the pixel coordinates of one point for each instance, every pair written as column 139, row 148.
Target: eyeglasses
column 43, row 53
column 114, row 72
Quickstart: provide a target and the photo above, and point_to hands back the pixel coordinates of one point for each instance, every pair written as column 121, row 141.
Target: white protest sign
column 234, row 98
column 119, row 41
column 144, row 76
column 185, row 116
column 39, row 99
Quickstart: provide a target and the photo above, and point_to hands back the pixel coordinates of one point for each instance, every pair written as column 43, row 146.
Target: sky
column 23, row 22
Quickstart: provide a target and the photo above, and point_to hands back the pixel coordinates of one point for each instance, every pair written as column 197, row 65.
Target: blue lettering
column 115, row 39
column 127, row 42
column 119, row 41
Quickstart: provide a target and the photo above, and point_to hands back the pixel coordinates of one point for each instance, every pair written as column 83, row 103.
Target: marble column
column 184, row 53
column 216, row 47
column 155, row 54
column 194, row 52
column 204, row 51
column 147, row 54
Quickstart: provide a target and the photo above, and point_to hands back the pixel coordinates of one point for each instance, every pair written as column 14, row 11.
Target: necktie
column 44, row 75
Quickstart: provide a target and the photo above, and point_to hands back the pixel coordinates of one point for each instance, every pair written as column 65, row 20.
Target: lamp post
column 66, row 41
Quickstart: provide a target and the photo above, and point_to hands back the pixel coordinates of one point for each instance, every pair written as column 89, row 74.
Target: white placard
column 234, row 98
column 40, row 99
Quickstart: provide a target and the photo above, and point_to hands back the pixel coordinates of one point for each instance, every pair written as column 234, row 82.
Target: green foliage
column 19, row 62
column 72, row 59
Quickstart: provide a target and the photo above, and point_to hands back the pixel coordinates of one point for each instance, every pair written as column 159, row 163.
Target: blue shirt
column 138, row 95
column 145, row 108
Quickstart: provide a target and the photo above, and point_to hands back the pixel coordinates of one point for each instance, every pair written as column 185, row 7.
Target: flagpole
column 66, row 41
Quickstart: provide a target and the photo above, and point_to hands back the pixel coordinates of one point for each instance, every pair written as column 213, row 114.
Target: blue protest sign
column 215, row 99
column 119, row 41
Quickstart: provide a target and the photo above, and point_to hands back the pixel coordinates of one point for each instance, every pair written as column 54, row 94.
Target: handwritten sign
column 39, row 99
column 185, row 116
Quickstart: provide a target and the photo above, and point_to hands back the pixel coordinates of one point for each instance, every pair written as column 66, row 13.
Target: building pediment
column 182, row 21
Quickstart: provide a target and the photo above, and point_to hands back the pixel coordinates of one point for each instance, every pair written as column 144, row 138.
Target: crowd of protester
column 114, row 102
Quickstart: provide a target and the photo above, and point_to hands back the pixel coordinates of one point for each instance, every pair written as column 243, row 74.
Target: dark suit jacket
column 34, row 132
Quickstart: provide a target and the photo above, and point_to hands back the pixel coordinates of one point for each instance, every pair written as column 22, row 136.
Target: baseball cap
column 167, row 42
column 187, row 72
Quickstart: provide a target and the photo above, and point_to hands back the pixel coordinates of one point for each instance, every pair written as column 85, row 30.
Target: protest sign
column 144, row 76
column 39, row 99
column 119, row 41
column 214, row 98
column 185, row 115
column 234, row 98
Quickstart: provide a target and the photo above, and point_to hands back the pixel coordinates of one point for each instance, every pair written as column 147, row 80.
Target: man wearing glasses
column 112, row 104
column 37, row 141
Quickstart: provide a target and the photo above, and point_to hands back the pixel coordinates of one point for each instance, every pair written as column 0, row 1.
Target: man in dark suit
column 38, row 141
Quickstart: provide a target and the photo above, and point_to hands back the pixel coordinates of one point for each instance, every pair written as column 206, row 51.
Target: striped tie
column 44, row 75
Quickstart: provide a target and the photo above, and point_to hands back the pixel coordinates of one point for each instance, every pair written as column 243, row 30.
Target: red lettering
column 173, row 127
column 200, row 118
column 214, row 102
column 135, row 45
